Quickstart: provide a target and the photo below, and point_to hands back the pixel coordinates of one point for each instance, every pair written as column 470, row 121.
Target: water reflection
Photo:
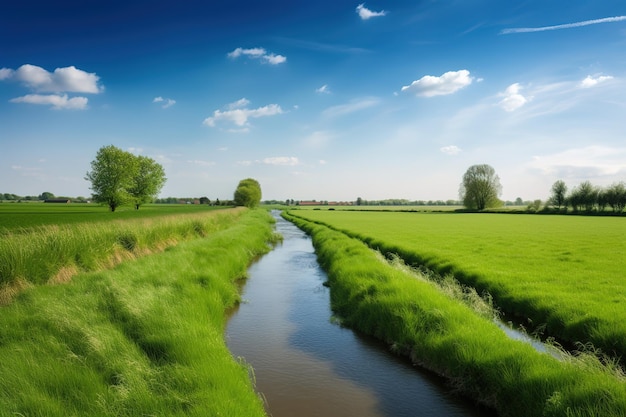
column 307, row 366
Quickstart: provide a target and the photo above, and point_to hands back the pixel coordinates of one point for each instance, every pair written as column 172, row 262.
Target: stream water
column 305, row 365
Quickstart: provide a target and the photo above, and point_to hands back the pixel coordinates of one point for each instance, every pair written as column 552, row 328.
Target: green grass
column 17, row 216
column 437, row 331
column 53, row 253
column 145, row 338
column 564, row 272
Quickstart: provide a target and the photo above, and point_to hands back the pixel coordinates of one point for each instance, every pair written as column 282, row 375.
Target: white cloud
column 242, row 102
column 583, row 163
column 590, row 81
column 353, row 106
column 365, row 13
column 57, row 102
column 258, row 53
column 6, row 73
column 281, row 160
column 512, row 100
column 201, row 163
column 318, row 139
column 450, row 150
column 167, row 102
column 564, row 26
column 323, row 89
column 448, row 83
column 239, row 115
column 67, row 79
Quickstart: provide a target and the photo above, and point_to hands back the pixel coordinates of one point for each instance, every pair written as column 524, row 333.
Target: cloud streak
column 564, row 26
column 58, row 102
column 365, row 13
column 258, row 53
column 238, row 114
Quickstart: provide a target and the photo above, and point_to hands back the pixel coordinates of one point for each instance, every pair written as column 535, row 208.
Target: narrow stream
column 305, row 365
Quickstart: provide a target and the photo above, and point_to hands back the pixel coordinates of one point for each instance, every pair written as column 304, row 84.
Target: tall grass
column 437, row 331
column 54, row 253
column 145, row 338
column 561, row 273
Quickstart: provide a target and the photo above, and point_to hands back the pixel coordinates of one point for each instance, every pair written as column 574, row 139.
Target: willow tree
column 480, row 188
column 248, row 193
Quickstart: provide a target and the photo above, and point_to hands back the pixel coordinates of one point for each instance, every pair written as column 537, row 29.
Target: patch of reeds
column 142, row 339
column 46, row 254
column 442, row 334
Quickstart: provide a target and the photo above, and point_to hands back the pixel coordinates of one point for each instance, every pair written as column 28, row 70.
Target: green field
column 142, row 339
column 23, row 215
column 560, row 274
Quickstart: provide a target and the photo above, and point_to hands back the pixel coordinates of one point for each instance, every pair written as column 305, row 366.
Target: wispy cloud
column 238, row 114
column 564, row 26
column 281, row 160
column 167, row 102
column 448, row 83
column 365, row 13
column 450, row 150
column 512, row 100
column 582, row 163
column 201, row 163
column 591, row 81
column 58, row 102
column 258, row 53
column 353, row 106
column 323, row 89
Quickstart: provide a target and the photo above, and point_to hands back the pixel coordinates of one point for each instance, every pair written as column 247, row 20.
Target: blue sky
column 325, row 100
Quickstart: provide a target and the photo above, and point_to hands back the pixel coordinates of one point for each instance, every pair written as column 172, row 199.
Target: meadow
column 44, row 243
column 438, row 331
column 143, row 338
column 560, row 275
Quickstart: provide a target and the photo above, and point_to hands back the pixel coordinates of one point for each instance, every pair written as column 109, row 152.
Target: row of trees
column 118, row 177
column 587, row 197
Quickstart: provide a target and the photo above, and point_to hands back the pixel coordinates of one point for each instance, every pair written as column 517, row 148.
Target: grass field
column 562, row 274
column 417, row 318
column 24, row 215
column 142, row 339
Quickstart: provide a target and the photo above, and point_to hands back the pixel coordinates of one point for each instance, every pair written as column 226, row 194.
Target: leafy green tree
column 111, row 176
column 558, row 198
column 147, row 180
column 248, row 193
column 46, row 196
column 616, row 196
column 585, row 196
column 480, row 188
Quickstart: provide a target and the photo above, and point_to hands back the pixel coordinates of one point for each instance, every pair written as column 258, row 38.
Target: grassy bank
column 62, row 251
column 560, row 273
column 145, row 338
column 444, row 335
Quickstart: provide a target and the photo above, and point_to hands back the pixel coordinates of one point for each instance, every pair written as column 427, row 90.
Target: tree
column 46, row 196
column 480, row 188
column 558, row 196
column 584, row 196
column 147, row 180
column 111, row 176
column 616, row 196
column 248, row 193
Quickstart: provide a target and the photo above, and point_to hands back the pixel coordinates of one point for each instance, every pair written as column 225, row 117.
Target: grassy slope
column 562, row 271
column 145, row 338
column 444, row 335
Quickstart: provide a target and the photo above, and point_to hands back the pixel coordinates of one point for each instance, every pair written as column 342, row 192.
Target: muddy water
column 305, row 365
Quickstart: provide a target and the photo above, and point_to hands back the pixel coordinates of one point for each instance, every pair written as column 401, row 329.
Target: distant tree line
column 587, row 198
column 41, row 197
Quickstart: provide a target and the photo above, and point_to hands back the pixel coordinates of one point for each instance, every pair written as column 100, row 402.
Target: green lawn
column 562, row 272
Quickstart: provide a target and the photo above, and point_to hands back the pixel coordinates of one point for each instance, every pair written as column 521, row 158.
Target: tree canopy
column 480, row 188
column 118, row 177
column 248, row 193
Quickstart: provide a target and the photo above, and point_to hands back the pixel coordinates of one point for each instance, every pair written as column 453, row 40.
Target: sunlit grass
column 145, row 338
column 54, row 253
column 561, row 273
column 437, row 331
